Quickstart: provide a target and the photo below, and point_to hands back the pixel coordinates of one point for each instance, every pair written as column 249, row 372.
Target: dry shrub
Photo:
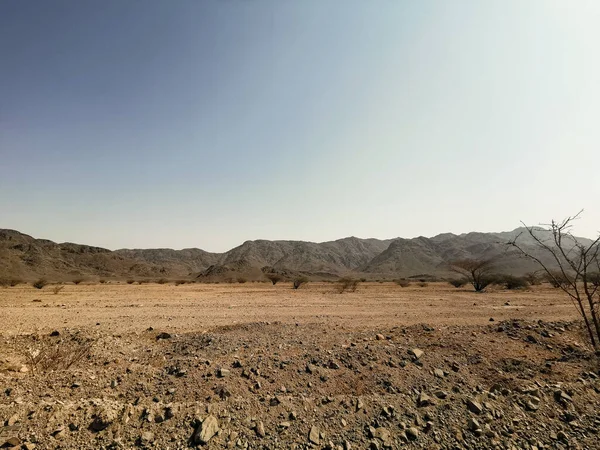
column 533, row 278
column 403, row 283
column 241, row 280
column 511, row 282
column 162, row 281
column 299, row 282
column 39, row 284
column 594, row 279
column 556, row 279
column 49, row 356
column 56, row 289
column 102, row 281
column 77, row 281
column 12, row 282
column 423, row 284
column 458, row 282
column 347, row 284
column 178, row 282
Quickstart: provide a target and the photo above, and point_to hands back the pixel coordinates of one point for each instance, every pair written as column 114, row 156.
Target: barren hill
column 26, row 257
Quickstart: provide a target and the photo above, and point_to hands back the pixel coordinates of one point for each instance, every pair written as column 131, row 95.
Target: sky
column 188, row 123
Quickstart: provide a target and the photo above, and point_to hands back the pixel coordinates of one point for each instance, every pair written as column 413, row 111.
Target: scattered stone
column 380, row 337
column 359, row 405
column 12, row 442
column 439, row 373
column 473, row 424
column 223, row 373
column 562, row 396
column 383, row 434
column 55, row 333
column 474, row 406
column 12, row 420
column 146, row 438
column 104, row 417
column 440, row 394
column 412, row 433
column 163, row 335
column 260, row 429
column 206, row 430
column 424, row 400
column 417, row 353
column 314, row 435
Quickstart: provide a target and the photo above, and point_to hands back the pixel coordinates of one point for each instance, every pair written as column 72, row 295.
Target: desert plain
column 252, row 365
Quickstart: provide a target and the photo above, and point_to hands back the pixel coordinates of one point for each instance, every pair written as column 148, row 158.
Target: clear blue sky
column 155, row 123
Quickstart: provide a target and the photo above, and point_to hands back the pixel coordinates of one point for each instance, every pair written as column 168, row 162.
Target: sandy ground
column 256, row 366
column 193, row 307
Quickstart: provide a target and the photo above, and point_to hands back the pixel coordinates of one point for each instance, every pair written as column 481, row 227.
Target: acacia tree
column 273, row 278
column 477, row 271
column 574, row 267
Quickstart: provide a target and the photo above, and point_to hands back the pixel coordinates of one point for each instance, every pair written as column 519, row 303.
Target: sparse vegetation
column 56, row 289
column 347, row 284
column 273, row 278
column 458, row 282
column 14, row 282
column 102, row 281
column 241, row 280
column 130, row 281
column 478, row 272
column 512, row 282
column 162, row 281
column 60, row 356
column 557, row 279
column 299, row 282
column 39, row 284
column 533, row 278
column 423, row 284
column 77, row 281
column 403, row 283
column 594, row 279
column 576, row 261
column 178, row 282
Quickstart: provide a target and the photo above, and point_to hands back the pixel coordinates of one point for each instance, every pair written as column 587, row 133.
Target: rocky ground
column 506, row 384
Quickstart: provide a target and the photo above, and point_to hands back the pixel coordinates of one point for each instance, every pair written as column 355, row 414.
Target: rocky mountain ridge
column 27, row 257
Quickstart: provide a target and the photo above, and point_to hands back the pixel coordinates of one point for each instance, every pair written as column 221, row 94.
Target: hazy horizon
column 205, row 124
column 274, row 240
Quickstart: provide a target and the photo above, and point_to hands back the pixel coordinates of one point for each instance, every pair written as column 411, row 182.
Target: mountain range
column 25, row 257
